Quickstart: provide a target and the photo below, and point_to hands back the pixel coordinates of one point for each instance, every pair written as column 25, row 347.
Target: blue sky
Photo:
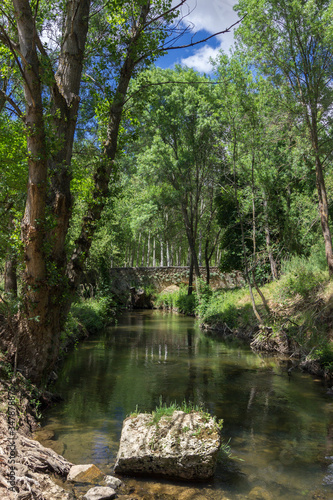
column 208, row 17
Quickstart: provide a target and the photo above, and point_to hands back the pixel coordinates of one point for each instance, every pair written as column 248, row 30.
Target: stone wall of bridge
column 123, row 278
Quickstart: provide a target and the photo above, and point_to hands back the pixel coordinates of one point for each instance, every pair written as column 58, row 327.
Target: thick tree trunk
column 48, row 292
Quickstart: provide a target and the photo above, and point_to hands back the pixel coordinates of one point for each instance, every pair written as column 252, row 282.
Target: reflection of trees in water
column 265, row 412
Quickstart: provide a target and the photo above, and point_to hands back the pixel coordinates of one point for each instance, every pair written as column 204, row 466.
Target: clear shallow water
column 280, row 426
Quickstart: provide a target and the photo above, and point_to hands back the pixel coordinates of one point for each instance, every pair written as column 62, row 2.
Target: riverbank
column 298, row 323
column 296, row 315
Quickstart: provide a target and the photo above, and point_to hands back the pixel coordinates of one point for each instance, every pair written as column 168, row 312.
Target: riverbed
column 278, row 422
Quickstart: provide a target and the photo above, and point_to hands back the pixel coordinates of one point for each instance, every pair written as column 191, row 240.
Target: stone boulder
column 183, row 446
column 87, row 473
column 100, row 493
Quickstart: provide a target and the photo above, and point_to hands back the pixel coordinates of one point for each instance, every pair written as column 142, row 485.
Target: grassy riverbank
column 299, row 322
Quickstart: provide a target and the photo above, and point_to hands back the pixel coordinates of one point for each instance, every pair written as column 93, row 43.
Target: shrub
column 324, row 355
column 179, row 300
column 302, row 275
column 93, row 314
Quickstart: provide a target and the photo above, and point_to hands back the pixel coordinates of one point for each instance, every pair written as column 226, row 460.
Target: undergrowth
column 88, row 316
column 178, row 300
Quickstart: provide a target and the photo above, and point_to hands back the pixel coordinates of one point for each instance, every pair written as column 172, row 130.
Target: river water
column 279, row 425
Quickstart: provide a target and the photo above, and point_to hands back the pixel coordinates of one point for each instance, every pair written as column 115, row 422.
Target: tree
column 292, row 42
column 178, row 146
column 51, row 83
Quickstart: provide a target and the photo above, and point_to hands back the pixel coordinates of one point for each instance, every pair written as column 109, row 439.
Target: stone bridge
column 123, row 278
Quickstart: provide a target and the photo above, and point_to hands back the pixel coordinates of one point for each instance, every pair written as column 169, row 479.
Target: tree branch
column 17, row 110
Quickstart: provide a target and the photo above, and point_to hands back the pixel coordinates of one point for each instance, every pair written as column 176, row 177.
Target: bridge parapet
column 162, row 277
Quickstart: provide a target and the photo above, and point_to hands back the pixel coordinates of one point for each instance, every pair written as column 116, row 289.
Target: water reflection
column 280, row 426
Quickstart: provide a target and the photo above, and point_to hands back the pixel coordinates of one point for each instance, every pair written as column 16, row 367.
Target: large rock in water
column 184, row 446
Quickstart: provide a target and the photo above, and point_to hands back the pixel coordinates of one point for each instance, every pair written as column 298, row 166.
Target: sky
column 208, row 17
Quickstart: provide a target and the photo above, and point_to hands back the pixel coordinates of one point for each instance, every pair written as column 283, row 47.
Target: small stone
column 112, row 481
column 100, row 493
column 88, row 473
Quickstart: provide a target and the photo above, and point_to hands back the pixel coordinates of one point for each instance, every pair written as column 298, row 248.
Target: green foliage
column 93, row 314
column 178, row 300
column 301, row 275
column 324, row 355
column 225, row 306
column 203, row 295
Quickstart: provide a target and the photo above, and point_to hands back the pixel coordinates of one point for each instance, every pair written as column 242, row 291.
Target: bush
column 225, row 306
column 324, row 355
column 92, row 314
column 302, row 275
column 178, row 300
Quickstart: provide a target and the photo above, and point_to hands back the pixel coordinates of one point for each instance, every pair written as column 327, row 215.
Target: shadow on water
column 280, row 427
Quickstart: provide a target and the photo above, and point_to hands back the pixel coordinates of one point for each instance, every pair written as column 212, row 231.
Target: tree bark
column 162, row 254
column 190, row 278
column 154, row 252
column 148, row 250
column 191, row 241
column 11, row 276
column 268, row 242
column 138, row 251
column 323, row 211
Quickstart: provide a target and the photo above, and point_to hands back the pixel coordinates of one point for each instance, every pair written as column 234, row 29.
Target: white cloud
column 200, row 60
column 212, row 16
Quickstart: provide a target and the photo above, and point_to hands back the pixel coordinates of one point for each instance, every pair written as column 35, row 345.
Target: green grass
column 231, row 307
column 87, row 316
column 164, row 410
column 178, row 300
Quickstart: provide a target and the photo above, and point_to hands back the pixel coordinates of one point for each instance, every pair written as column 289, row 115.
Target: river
column 279, row 426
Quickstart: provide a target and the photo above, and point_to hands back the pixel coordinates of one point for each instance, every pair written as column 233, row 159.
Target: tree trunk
column 190, row 278
column 148, row 250
column 138, row 251
column 48, row 290
column 323, row 210
column 246, row 267
column 154, row 252
column 168, row 254
column 200, row 248
column 268, row 242
column 143, row 253
column 191, row 241
column 162, row 256
column 11, row 276
column 207, row 263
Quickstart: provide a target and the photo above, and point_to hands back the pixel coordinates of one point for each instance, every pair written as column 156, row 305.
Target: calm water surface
column 280, row 427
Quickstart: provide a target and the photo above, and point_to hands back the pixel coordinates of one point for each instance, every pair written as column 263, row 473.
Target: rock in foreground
column 184, row 446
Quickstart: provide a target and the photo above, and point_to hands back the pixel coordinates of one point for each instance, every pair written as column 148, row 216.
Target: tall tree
column 292, row 41
column 134, row 30
column 178, row 147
